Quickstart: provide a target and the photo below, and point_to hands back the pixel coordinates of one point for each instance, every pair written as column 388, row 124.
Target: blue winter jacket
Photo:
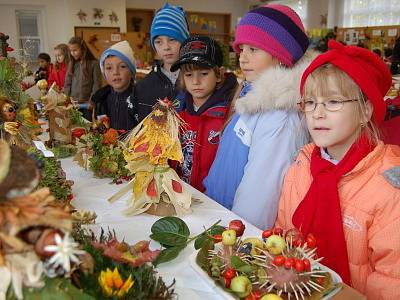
column 258, row 145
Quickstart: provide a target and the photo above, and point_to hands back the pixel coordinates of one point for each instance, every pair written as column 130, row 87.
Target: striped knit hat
column 276, row 29
column 169, row 21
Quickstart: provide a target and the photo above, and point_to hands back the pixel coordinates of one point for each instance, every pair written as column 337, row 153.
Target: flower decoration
column 65, row 251
column 82, row 15
column 98, row 13
column 113, row 284
column 113, row 17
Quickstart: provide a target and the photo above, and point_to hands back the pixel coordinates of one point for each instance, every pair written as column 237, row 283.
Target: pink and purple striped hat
column 276, row 29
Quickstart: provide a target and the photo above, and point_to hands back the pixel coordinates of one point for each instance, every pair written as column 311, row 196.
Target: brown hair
column 65, row 51
column 86, row 56
column 328, row 78
column 219, row 73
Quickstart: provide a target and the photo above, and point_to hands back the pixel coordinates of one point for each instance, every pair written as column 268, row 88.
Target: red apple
column 238, row 226
column 311, row 241
column 279, row 260
column 266, row 233
column 230, row 273
column 295, row 237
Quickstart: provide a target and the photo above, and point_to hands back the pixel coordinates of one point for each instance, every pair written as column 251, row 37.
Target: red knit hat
column 367, row 70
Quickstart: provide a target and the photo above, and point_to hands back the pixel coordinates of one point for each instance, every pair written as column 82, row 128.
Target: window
column 360, row 13
column 299, row 6
column 28, row 23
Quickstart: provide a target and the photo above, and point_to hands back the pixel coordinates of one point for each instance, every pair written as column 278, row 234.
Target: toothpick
column 271, row 287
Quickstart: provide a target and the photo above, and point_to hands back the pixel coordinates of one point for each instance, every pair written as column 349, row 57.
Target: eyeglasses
column 309, row 104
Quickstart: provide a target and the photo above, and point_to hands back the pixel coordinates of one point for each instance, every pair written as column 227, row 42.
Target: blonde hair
column 65, row 51
column 327, row 79
column 219, row 73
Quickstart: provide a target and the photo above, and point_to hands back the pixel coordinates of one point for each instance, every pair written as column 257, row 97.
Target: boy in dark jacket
column 114, row 100
column 208, row 93
column 168, row 30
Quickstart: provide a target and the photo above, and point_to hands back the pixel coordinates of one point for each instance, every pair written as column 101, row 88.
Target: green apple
column 255, row 242
column 271, row 297
column 275, row 244
column 242, row 286
column 229, row 237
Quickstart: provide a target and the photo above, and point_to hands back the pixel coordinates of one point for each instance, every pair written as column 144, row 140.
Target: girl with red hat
column 344, row 188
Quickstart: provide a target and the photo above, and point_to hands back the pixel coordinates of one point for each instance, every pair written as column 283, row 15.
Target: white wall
column 59, row 18
column 52, row 26
column 236, row 8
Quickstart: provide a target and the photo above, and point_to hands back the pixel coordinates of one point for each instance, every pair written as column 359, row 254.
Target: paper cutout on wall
column 194, row 19
column 81, row 15
column 203, row 24
column 98, row 13
column 212, row 26
column 113, row 17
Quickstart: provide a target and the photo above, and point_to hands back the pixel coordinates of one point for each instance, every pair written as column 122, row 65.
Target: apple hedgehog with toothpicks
column 278, row 266
column 157, row 189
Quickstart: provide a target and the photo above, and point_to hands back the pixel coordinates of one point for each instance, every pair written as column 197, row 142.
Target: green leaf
column 199, row 242
column 202, row 255
column 171, row 231
column 217, row 229
column 54, row 289
column 206, row 236
column 239, row 265
column 168, row 254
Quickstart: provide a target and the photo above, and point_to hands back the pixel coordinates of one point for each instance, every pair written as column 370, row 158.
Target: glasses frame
column 301, row 104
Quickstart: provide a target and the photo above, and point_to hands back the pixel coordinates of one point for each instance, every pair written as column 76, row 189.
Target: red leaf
column 176, row 186
column 157, row 150
column 151, row 189
column 142, row 148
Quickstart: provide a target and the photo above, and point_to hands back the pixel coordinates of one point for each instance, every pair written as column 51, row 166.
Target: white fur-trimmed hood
column 276, row 88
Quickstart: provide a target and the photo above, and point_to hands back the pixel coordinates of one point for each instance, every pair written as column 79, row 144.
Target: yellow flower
column 113, row 284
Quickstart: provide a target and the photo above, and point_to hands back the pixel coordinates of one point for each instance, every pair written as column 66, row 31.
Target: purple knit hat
column 276, row 29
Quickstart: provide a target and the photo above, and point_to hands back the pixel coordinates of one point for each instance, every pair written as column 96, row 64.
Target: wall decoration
column 98, row 13
column 324, row 20
column 212, row 26
column 203, row 24
column 194, row 19
column 113, row 17
column 81, row 15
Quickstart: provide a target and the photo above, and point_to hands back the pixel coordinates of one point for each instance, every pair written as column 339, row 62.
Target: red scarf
column 320, row 213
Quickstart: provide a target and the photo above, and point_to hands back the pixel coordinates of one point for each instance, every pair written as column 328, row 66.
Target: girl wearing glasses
column 344, row 188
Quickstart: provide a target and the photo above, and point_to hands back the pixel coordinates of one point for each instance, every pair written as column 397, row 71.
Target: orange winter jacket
column 370, row 204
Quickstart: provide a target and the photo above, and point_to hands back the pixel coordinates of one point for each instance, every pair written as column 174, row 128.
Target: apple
column 295, row 237
column 229, row 237
column 238, row 226
column 311, row 241
column 255, row 243
column 275, row 244
column 266, row 233
column 271, row 296
column 242, row 286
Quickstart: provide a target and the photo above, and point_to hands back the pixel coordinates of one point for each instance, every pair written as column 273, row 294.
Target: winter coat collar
column 277, row 88
column 380, row 156
column 221, row 96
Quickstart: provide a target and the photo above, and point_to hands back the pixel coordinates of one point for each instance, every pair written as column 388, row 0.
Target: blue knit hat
column 122, row 50
column 170, row 21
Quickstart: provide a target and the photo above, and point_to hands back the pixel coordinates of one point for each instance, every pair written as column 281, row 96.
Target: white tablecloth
column 92, row 194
